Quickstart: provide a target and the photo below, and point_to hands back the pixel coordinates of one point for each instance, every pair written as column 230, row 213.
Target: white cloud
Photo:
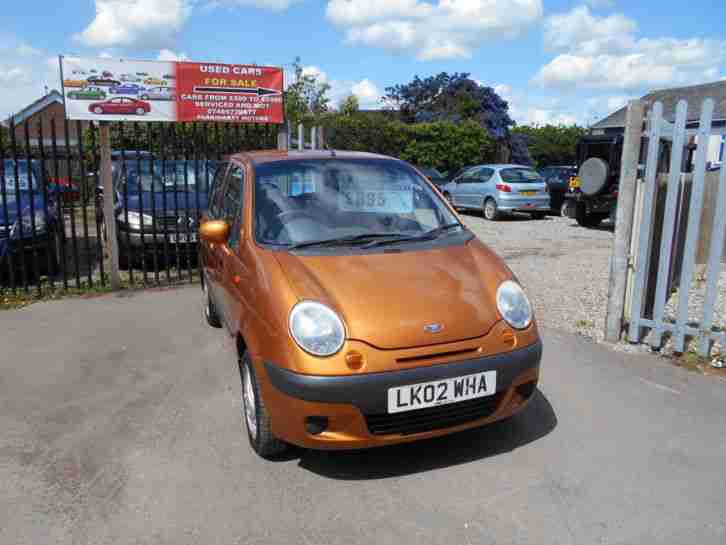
column 315, row 72
column 447, row 29
column 367, row 92
column 169, row 55
column 24, row 73
column 527, row 109
column 136, row 24
column 604, row 53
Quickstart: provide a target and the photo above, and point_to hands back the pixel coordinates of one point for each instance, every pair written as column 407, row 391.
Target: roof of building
column 694, row 95
column 37, row 106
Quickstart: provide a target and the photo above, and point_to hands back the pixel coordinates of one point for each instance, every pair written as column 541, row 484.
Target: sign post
column 108, row 207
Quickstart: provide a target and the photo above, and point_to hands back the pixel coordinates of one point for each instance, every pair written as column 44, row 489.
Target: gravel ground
column 563, row 266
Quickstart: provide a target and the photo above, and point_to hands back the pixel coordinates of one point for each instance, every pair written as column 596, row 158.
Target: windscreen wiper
column 343, row 241
column 428, row 235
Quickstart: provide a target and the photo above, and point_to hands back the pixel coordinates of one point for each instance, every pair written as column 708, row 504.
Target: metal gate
column 670, row 234
column 51, row 200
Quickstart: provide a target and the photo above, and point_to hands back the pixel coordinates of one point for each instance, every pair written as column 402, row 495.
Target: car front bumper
column 356, row 405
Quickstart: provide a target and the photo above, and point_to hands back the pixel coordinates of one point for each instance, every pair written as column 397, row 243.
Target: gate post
column 108, row 208
column 619, row 262
column 282, row 137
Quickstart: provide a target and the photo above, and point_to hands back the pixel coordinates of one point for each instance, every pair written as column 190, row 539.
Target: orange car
column 364, row 312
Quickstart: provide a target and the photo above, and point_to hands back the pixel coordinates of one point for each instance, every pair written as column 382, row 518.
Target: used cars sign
column 128, row 90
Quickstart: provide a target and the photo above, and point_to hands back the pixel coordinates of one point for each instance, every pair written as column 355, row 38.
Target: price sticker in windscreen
column 383, row 199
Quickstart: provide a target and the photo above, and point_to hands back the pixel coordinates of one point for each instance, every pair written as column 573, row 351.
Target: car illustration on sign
column 168, row 76
column 107, row 82
column 121, row 105
column 132, row 78
column 159, row 93
column 155, row 81
column 126, row 89
column 88, row 93
column 107, row 74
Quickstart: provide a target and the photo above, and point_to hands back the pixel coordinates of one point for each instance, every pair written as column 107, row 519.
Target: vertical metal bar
column 18, row 208
column 694, row 223
column 300, row 137
column 74, row 235
column 155, row 244
column 59, row 202
column 718, row 235
column 31, row 193
column 4, row 175
column 142, row 229
column 623, row 221
column 130, row 257
column 313, row 138
column 646, row 229
column 669, row 221
column 190, row 214
column 98, row 212
column 162, row 144
column 52, row 249
column 177, row 249
column 84, row 201
column 195, row 156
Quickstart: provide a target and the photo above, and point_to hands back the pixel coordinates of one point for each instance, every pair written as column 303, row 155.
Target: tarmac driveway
column 120, row 423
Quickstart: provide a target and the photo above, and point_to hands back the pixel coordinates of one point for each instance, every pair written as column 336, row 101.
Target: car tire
column 564, row 208
column 255, row 414
column 538, row 215
column 491, row 210
column 140, row 111
column 210, row 310
column 587, row 220
column 98, row 110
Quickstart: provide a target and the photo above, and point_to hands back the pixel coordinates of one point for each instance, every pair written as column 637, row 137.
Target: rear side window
column 520, row 175
column 233, row 196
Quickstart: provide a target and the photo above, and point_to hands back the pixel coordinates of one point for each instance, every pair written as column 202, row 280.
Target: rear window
column 520, row 175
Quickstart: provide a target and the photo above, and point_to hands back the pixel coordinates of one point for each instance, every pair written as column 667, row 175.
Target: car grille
column 433, row 418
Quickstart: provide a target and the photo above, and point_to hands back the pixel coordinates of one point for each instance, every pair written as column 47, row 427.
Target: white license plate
column 441, row 392
column 182, row 237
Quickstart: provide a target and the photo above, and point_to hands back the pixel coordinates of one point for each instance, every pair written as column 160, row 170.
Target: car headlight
column 135, row 219
column 513, row 305
column 316, row 328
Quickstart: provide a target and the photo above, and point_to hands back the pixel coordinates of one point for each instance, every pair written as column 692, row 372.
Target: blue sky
column 554, row 61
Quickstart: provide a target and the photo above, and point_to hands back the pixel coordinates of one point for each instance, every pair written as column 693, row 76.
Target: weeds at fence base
column 10, row 300
column 692, row 361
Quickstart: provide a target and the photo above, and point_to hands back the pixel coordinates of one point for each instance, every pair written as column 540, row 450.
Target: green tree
column 551, row 144
column 349, row 105
column 306, row 98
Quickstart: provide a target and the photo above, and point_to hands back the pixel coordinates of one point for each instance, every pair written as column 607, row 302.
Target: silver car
column 499, row 189
column 158, row 93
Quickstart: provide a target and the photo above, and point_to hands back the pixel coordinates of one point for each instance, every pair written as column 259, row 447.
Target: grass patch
column 584, row 323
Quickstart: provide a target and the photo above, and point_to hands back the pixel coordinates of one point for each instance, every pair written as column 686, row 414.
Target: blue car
column 28, row 222
column 496, row 190
column 126, row 89
column 158, row 204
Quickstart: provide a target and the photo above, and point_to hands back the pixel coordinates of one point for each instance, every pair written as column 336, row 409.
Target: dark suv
column 593, row 193
column 558, row 183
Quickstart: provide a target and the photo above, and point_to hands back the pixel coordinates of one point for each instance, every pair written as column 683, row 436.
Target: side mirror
column 214, row 232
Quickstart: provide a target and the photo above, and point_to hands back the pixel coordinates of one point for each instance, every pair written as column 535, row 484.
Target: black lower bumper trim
column 369, row 392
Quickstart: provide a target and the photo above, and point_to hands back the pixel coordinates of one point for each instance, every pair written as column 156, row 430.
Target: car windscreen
column 299, row 201
column 146, row 175
column 431, row 172
column 520, row 175
column 8, row 176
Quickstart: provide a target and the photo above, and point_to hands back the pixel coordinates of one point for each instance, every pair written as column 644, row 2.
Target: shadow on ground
column 537, row 420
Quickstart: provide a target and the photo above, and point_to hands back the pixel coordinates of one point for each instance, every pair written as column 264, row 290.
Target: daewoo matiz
column 364, row 312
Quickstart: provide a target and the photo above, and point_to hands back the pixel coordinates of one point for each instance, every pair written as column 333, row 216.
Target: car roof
column 268, row 156
column 500, row 166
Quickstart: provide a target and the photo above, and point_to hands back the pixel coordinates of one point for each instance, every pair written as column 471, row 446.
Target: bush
column 443, row 145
